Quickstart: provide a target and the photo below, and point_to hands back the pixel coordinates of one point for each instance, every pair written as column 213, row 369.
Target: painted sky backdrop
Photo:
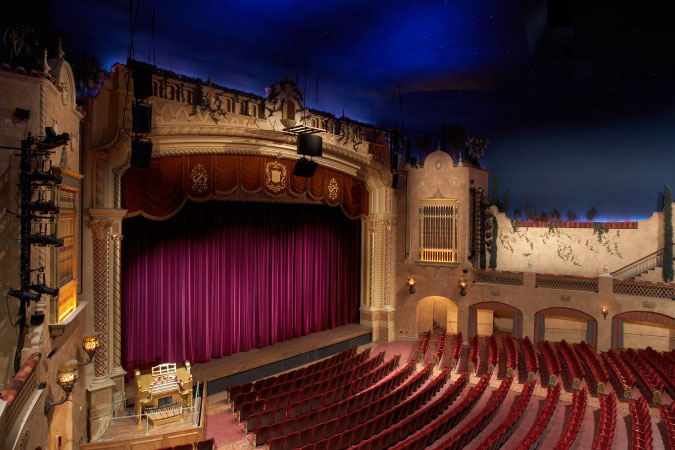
column 578, row 106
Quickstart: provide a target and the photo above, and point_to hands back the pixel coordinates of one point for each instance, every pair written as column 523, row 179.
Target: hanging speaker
column 309, row 144
column 142, row 118
column 397, row 161
column 141, row 153
column 142, row 76
column 305, row 168
column 397, row 181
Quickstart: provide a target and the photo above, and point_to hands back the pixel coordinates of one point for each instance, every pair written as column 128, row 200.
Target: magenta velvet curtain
column 225, row 277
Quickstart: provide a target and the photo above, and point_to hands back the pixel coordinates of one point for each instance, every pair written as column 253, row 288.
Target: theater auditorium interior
column 337, row 225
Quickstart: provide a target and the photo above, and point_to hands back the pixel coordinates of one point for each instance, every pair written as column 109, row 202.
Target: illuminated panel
column 67, row 301
column 438, row 230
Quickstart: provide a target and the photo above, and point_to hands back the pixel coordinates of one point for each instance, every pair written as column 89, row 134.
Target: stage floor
column 217, row 369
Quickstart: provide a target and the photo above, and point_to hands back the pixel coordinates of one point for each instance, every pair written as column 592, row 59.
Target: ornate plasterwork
column 101, row 234
column 117, row 300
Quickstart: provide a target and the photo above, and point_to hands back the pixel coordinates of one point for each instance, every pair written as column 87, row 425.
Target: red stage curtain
column 160, row 191
column 224, row 277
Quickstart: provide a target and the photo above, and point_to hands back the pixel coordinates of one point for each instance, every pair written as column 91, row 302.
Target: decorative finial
column 438, row 146
column 605, row 269
column 460, row 163
column 59, row 51
column 45, row 65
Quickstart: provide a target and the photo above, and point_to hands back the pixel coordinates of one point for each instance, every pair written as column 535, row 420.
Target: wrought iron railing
column 567, row 283
column 658, row 290
column 491, row 277
column 640, row 266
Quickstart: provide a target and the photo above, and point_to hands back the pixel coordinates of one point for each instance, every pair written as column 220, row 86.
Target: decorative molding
column 101, row 231
column 117, row 301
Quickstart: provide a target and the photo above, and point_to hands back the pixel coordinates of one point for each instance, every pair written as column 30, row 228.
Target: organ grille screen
column 438, row 230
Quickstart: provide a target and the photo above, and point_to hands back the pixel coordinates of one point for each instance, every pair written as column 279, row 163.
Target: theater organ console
column 163, row 393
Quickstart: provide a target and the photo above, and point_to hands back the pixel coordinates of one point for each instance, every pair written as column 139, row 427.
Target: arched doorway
column 642, row 329
column 486, row 318
column 572, row 325
column 436, row 313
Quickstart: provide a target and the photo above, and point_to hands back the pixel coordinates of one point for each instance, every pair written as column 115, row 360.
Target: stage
column 220, row 374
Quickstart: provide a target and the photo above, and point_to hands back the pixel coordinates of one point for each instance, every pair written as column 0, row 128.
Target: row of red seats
column 456, row 350
column 441, row 426
column 574, row 421
column 440, row 348
column 397, row 418
column 472, row 428
column 664, row 366
column 641, row 425
column 574, row 369
column 503, row 432
column 537, row 430
column 651, row 380
column 473, row 354
column 550, row 358
column 423, row 346
column 619, row 369
column 280, row 428
column 316, row 420
column 531, row 361
column 668, row 416
column 604, row 433
column 282, row 378
column 493, row 353
column 511, row 352
column 593, row 362
column 285, row 399
column 208, row 444
column 345, row 398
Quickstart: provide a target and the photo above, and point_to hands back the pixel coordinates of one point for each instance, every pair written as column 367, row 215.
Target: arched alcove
column 556, row 324
column 642, row 329
column 487, row 317
column 436, row 313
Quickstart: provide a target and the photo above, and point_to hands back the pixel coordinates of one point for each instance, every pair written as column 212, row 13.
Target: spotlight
column 44, row 289
column 53, row 140
column 24, row 295
column 42, row 176
column 44, row 239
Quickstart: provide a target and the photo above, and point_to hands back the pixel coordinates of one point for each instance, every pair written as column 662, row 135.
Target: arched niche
column 556, row 324
column 642, row 329
column 436, row 313
column 487, row 317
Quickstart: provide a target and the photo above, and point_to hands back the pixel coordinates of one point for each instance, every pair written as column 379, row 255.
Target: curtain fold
column 223, row 277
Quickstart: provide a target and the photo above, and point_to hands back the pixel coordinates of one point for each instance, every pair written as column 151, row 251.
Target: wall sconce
column 89, row 344
column 605, row 310
column 411, row 285
column 462, row 287
column 66, row 378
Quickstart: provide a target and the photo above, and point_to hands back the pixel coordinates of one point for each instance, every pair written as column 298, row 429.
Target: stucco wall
column 574, row 251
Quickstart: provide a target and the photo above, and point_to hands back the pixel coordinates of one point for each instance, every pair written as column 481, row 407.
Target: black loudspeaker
column 142, row 76
column 309, row 144
column 397, row 181
column 305, row 168
column 397, row 161
column 142, row 118
column 141, row 153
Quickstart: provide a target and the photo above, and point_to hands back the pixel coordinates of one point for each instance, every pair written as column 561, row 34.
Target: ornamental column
column 379, row 246
column 106, row 391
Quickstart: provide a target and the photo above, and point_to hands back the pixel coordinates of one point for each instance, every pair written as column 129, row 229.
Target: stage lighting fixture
column 44, row 289
column 23, row 295
column 44, row 176
column 53, row 140
column 305, row 168
column 22, row 114
column 42, row 206
column 44, row 239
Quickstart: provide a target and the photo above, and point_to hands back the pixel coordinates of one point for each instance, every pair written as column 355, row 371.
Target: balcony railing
column 640, row 266
column 566, row 282
column 493, row 277
column 644, row 289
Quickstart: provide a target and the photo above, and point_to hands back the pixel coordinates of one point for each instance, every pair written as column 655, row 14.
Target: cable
column 9, row 314
column 130, row 56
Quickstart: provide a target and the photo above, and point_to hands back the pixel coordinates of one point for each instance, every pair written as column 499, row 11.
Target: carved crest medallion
column 275, row 176
column 333, row 189
column 199, row 178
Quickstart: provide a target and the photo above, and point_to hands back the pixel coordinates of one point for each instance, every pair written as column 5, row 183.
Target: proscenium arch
column 540, row 323
column 644, row 316
column 517, row 331
column 431, row 307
